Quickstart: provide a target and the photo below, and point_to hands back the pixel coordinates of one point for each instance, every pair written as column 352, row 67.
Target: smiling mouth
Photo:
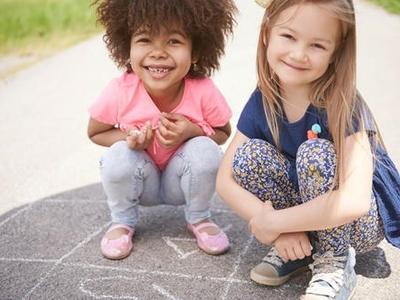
column 158, row 69
column 158, row 72
column 295, row 67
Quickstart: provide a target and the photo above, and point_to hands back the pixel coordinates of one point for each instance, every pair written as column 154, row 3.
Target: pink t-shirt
column 126, row 104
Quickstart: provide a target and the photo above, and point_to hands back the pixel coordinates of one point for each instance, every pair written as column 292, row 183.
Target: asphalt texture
column 54, row 212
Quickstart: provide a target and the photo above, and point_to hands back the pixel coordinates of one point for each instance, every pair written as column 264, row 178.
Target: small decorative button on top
column 316, row 128
column 313, row 133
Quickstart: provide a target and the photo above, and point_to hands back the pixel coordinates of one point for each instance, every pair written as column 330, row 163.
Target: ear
column 265, row 37
column 195, row 58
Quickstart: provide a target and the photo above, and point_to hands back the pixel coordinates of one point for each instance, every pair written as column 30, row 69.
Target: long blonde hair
column 335, row 91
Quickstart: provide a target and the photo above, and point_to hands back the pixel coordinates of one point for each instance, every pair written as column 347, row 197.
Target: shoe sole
column 117, row 257
column 276, row 281
column 121, row 256
column 350, row 297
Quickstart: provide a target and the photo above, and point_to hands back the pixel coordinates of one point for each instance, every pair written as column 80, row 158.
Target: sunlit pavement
column 54, row 211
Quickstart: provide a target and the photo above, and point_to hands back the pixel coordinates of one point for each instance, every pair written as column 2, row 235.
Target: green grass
column 392, row 6
column 30, row 25
column 43, row 26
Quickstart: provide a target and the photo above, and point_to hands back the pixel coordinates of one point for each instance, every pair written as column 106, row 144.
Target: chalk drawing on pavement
column 172, row 242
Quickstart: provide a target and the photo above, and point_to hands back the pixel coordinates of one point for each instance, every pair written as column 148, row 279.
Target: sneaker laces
column 328, row 274
column 273, row 257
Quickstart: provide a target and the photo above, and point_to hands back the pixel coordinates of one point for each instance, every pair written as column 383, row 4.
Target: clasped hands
column 173, row 129
column 290, row 246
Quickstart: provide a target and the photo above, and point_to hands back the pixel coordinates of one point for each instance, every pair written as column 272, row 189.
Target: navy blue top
column 386, row 180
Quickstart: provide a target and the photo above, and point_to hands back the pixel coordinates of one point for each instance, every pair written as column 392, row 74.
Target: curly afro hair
column 206, row 22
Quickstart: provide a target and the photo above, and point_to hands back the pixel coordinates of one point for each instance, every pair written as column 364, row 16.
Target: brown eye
column 142, row 40
column 174, row 41
column 318, row 46
column 288, row 36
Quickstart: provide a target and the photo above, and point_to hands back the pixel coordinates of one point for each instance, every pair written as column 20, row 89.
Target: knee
column 316, row 155
column 316, row 147
column 253, row 155
column 118, row 162
column 203, row 155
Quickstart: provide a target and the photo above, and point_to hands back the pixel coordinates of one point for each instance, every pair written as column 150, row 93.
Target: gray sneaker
column 273, row 271
column 333, row 277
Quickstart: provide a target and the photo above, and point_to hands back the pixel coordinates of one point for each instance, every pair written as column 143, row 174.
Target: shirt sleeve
column 216, row 110
column 105, row 108
column 247, row 124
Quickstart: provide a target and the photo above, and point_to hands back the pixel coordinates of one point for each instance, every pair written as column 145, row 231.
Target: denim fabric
column 387, row 194
column 130, row 178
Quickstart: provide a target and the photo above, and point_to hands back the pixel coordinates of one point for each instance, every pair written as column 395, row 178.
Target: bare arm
column 244, row 203
column 221, row 134
column 349, row 202
column 104, row 134
column 174, row 129
column 247, row 205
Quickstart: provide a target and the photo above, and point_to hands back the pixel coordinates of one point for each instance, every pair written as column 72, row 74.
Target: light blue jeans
column 130, row 178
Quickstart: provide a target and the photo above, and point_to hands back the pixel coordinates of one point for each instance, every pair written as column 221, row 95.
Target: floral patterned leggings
column 261, row 169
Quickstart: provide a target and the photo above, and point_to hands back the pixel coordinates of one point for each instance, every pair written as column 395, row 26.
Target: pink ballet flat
column 210, row 244
column 118, row 248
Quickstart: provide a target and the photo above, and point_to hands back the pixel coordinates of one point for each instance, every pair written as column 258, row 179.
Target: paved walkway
column 53, row 211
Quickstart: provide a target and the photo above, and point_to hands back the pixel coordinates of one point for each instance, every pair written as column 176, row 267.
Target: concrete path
column 53, row 210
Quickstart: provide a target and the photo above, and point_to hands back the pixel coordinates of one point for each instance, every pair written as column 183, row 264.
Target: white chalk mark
column 157, row 273
column 28, row 260
column 99, row 267
column 59, row 261
column 96, row 296
column 230, row 279
column 15, row 214
column 181, row 253
column 164, row 292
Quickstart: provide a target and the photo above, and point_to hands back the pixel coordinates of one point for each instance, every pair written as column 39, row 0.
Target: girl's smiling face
column 161, row 60
column 301, row 44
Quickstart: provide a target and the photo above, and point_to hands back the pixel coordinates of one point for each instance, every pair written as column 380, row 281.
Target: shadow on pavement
column 373, row 264
column 49, row 249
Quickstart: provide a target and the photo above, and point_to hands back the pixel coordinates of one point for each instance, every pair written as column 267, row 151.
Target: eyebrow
column 169, row 32
column 315, row 39
column 177, row 32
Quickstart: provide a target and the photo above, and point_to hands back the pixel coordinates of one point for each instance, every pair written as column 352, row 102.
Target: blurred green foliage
column 392, row 6
column 28, row 23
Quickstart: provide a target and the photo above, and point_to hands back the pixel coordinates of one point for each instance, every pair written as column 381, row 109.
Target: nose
column 158, row 52
column 299, row 53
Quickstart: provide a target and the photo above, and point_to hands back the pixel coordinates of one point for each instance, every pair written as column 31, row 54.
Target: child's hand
column 259, row 227
column 292, row 246
column 140, row 139
column 174, row 129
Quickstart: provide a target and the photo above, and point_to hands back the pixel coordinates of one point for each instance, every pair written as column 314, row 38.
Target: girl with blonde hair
column 307, row 167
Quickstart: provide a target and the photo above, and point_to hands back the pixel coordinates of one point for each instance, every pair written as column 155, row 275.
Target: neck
column 166, row 100
column 296, row 100
column 296, row 95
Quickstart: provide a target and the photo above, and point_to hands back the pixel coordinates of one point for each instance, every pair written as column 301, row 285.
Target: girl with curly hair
column 163, row 118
